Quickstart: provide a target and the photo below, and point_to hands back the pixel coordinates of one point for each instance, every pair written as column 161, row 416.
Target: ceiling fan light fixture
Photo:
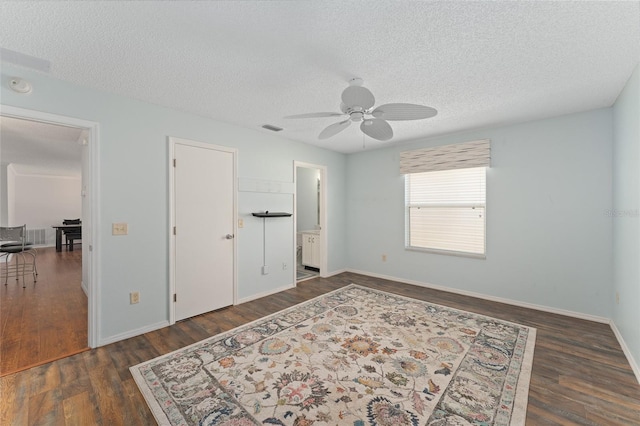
column 356, row 116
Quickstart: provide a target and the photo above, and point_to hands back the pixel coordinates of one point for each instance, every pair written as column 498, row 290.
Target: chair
column 72, row 234
column 14, row 244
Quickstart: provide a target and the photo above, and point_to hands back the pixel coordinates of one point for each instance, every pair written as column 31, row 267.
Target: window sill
column 447, row 252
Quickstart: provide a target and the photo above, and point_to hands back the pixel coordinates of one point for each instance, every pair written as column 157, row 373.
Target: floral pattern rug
column 355, row 356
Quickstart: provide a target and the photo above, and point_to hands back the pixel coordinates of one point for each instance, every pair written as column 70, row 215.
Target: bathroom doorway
column 310, row 221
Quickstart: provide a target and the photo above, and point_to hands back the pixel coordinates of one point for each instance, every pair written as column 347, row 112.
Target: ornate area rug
column 355, row 356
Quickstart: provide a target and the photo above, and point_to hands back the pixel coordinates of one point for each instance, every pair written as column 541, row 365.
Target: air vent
column 23, row 60
column 272, row 128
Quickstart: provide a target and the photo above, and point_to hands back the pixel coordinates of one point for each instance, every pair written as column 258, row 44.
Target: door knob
column 229, row 236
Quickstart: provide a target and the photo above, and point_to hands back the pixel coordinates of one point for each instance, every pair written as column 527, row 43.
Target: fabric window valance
column 447, row 157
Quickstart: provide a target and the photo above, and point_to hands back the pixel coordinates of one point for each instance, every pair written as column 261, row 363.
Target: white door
column 204, row 211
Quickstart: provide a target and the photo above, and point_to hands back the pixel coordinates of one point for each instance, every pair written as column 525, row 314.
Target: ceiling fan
column 357, row 105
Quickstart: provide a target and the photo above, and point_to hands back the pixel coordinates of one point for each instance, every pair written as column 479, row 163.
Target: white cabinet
column 311, row 249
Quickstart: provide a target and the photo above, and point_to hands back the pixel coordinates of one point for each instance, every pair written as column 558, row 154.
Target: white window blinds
column 446, row 210
column 445, row 198
column 447, row 157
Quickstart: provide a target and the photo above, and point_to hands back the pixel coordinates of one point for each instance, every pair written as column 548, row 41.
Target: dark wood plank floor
column 580, row 375
column 47, row 319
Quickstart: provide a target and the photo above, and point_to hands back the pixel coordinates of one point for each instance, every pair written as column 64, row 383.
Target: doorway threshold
column 303, row 274
column 46, row 361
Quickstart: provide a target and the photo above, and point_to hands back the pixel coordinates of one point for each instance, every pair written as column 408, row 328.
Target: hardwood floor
column 580, row 374
column 46, row 320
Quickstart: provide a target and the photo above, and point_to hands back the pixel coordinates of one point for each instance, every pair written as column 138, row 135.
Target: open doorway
column 310, row 220
column 46, row 176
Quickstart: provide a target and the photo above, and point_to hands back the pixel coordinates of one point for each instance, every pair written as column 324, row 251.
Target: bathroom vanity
column 311, row 249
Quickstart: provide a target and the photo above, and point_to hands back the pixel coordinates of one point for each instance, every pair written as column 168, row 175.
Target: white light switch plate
column 119, row 229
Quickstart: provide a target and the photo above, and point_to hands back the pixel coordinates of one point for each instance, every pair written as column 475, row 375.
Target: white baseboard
column 132, row 333
column 625, row 349
column 332, row 273
column 264, row 294
column 283, row 288
column 543, row 308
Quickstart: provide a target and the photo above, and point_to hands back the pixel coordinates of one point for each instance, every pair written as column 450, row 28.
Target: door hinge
column 174, row 230
column 174, row 162
column 175, row 297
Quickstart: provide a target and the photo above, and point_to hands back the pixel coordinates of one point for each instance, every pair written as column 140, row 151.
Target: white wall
column 40, row 201
column 548, row 237
column 307, row 199
column 626, row 215
column 277, row 243
column 134, row 189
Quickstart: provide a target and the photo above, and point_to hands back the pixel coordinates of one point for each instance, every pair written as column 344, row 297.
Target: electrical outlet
column 384, row 257
column 134, row 298
column 284, row 266
column 119, row 229
column 617, row 298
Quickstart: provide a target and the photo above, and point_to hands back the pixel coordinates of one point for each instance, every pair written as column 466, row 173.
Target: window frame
column 407, row 212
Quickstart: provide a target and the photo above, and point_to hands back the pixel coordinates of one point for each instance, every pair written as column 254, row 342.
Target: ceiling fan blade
column 403, row 112
column 358, row 96
column 334, row 129
column 377, row 128
column 316, row 115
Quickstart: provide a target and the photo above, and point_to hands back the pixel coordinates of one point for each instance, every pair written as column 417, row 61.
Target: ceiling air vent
column 272, row 128
column 23, row 60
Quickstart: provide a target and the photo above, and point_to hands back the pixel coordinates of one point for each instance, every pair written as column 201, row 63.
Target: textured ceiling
column 253, row 62
column 40, row 148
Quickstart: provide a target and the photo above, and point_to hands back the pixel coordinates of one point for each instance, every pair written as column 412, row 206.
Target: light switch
column 240, row 223
column 119, row 229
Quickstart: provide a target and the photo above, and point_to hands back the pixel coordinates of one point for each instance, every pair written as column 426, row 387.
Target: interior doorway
column 53, row 316
column 310, row 220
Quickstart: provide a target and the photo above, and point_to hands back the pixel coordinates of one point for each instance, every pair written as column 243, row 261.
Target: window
column 446, row 210
column 445, row 198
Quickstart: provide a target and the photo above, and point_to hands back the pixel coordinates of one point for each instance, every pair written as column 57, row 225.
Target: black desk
column 60, row 229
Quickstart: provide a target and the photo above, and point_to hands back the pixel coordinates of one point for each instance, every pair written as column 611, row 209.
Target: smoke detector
column 19, row 85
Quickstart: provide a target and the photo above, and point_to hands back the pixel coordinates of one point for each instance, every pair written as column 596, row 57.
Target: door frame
column 91, row 166
column 172, row 141
column 323, row 215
